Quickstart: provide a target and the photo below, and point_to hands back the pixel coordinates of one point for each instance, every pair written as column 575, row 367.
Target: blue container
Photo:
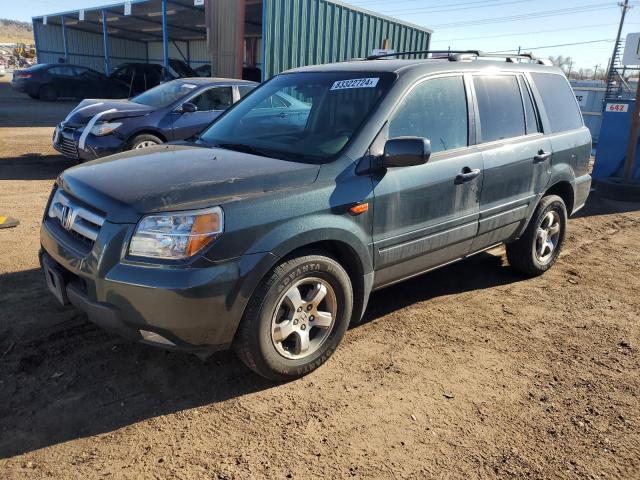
column 614, row 138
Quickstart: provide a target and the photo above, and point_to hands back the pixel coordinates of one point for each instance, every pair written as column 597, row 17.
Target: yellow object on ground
column 8, row 222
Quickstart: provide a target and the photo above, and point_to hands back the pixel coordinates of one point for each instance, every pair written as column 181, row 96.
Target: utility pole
column 625, row 8
column 595, row 71
column 570, row 67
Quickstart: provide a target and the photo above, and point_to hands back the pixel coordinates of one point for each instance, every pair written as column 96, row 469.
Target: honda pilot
column 268, row 233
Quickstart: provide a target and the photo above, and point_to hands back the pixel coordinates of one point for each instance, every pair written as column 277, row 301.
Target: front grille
column 81, row 222
column 67, row 146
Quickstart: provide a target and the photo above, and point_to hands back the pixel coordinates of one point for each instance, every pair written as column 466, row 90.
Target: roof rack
column 465, row 55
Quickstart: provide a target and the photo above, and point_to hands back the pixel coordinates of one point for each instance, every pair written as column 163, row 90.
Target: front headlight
column 176, row 235
column 101, row 129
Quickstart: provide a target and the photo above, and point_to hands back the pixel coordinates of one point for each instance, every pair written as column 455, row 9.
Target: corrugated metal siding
column 199, row 55
column 85, row 48
column 155, row 51
column 226, row 27
column 307, row 32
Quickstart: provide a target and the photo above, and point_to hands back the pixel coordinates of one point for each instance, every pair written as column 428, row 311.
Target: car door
column 210, row 104
column 65, row 80
column 427, row 215
column 516, row 155
column 124, row 75
column 91, row 83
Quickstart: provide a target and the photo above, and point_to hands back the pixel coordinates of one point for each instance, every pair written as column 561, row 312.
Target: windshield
column 307, row 117
column 165, row 94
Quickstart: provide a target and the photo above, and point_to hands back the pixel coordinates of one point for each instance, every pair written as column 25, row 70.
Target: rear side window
column 63, row 71
column 435, row 109
column 245, row 89
column 559, row 101
column 499, row 106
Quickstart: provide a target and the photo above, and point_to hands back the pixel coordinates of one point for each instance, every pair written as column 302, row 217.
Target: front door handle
column 542, row 156
column 467, row 175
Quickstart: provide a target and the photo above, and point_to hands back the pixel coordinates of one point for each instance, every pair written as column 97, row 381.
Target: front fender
column 303, row 231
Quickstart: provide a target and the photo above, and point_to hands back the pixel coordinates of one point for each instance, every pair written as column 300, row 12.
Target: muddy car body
column 269, row 237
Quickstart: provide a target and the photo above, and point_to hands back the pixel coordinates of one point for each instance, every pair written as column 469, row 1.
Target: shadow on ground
column 597, row 205
column 19, row 110
column 33, row 166
column 65, row 378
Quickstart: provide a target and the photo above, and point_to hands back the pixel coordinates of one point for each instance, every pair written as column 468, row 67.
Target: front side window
column 435, row 109
column 121, row 73
column 218, row 98
column 165, row 94
column 306, row 117
column 559, row 101
column 89, row 74
column 500, row 107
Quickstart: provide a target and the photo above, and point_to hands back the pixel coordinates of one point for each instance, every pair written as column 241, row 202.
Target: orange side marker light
column 360, row 208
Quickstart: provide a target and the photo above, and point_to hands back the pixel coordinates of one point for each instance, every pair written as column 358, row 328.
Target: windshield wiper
column 241, row 147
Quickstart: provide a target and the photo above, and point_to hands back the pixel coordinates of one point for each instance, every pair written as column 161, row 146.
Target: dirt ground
column 467, row 372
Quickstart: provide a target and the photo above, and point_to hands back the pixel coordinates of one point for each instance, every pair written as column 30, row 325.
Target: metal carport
column 272, row 35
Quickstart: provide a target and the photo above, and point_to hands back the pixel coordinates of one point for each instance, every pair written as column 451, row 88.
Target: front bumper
column 94, row 148
column 189, row 308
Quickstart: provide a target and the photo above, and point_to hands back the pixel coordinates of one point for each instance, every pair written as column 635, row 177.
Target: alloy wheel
column 304, row 318
column 547, row 236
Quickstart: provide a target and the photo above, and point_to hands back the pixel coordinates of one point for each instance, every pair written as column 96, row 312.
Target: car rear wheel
column 296, row 318
column 144, row 141
column 34, row 96
column 539, row 247
column 48, row 93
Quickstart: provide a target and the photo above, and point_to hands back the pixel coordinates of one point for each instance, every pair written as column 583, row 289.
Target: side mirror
column 188, row 107
column 406, row 151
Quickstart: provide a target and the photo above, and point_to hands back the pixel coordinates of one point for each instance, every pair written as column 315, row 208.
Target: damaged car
column 175, row 110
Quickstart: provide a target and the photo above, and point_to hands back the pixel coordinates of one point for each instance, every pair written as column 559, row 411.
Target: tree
column 565, row 63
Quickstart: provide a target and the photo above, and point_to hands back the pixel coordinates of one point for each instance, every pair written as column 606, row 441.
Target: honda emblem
column 67, row 217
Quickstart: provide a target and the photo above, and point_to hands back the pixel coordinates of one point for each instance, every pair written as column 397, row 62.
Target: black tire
column 254, row 343
column 35, row 96
column 522, row 254
column 138, row 140
column 48, row 93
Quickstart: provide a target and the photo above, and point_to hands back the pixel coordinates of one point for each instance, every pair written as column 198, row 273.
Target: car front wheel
column 144, row 141
column 539, row 247
column 296, row 318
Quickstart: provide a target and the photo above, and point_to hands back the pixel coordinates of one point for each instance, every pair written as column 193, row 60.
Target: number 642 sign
column 617, row 107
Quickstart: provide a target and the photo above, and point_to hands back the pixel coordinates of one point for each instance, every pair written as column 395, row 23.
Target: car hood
column 178, row 177
column 87, row 109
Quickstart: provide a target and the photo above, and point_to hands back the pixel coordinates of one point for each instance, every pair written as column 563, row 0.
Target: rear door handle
column 542, row 156
column 467, row 175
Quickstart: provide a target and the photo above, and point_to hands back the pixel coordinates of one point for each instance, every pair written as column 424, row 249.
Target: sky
column 489, row 25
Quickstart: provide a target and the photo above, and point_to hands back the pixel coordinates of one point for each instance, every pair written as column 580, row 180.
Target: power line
column 437, row 40
column 374, row 3
column 527, row 16
column 554, row 46
column 462, row 6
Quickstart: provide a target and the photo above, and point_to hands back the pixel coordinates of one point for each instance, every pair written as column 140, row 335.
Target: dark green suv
column 270, row 231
